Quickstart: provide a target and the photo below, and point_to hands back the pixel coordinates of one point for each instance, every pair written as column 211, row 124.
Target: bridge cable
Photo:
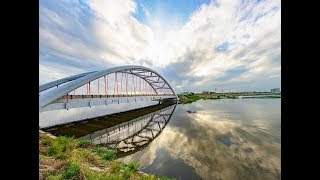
column 144, row 87
column 89, row 89
column 139, row 86
column 105, row 86
column 127, row 83
column 98, row 87
column 136, row 84
column 134, row 88
column 121, row 82
column 114, row 85
column 131, row 84
column 117, row 82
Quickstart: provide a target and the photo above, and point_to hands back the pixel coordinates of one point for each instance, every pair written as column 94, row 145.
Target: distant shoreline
column 187, row 98
column 263, row 96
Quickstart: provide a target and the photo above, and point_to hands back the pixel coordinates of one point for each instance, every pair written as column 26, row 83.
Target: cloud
column 225, row 44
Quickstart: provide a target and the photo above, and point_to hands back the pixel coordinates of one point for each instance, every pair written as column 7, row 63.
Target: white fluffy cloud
column 227, row 44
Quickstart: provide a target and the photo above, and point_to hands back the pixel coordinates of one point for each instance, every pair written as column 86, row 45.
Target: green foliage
column 81, row 155
column 231, row 97
column 72, row 172
column 59, row 147
column 116, row 166
column 148, row 177
column 126, row 174
column 188, row 98
column 84, row 143
column 109, row 155
column 129, row 169
column 100, row 150
column 94, row 175
column 106, row 154
column 52, row 177
column 133, row 166
column 46, row 142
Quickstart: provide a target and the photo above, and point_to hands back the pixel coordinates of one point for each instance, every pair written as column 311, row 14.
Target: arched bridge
column 121, row 84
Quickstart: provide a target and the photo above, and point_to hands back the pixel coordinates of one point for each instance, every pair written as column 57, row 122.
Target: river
column 207, row 139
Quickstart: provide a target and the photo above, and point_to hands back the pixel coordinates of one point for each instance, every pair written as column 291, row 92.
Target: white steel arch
column 73, row 82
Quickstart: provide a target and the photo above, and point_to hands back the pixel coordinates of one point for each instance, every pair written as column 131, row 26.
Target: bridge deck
column 76, row 101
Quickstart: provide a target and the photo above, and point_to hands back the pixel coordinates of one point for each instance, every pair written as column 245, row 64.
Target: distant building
column 275, row 90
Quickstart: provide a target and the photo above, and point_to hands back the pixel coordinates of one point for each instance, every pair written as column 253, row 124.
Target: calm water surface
column 223, row 139
column 208, row 139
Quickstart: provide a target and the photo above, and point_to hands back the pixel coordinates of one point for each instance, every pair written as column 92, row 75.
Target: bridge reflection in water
column 127, row 132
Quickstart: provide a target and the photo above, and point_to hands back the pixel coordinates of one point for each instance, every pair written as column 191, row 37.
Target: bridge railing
column 66, row 97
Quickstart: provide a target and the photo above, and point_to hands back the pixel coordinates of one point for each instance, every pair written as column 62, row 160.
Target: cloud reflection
column 216, row 146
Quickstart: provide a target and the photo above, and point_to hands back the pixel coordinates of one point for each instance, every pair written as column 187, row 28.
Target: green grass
column 129, row 169
column 52, row 177
column 231, row 97
column 188, row 98
column 133, row 166
column 93, row 175
column 106, row 154
column 80, row 156
column 84, row 143
column 60, row 147
column 72, row 172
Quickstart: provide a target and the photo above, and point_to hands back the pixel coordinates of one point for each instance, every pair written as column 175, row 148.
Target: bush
column 59, row 147
column 84, row 143
column 110, row 155
column 52, row 177
column 46, row 142
column 100, row 150
column 106, row 154
column 72, row 172
column 133, row 166
column 126, row 174
column 129, row 169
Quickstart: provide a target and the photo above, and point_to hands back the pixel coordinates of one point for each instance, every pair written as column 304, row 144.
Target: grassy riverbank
column 193, row 97
column 67, row 158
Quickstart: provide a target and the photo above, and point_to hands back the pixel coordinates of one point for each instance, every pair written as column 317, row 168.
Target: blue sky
column 197, row 45
column 167, row 9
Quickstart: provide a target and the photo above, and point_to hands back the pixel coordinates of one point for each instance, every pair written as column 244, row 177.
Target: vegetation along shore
column 64, row 157
column 189, row 97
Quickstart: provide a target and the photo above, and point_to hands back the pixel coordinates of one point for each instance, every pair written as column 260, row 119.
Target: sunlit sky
column 197, row 45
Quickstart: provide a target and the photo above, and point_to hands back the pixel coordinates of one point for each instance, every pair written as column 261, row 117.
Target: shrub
column 100, row 150
column 133, row 166
column 84, row 143
column 46, row 142
column 106, row 154
column 129, row 169
column 72, row 172
column 109, row 155
column 52, row 177
column 59, row 147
